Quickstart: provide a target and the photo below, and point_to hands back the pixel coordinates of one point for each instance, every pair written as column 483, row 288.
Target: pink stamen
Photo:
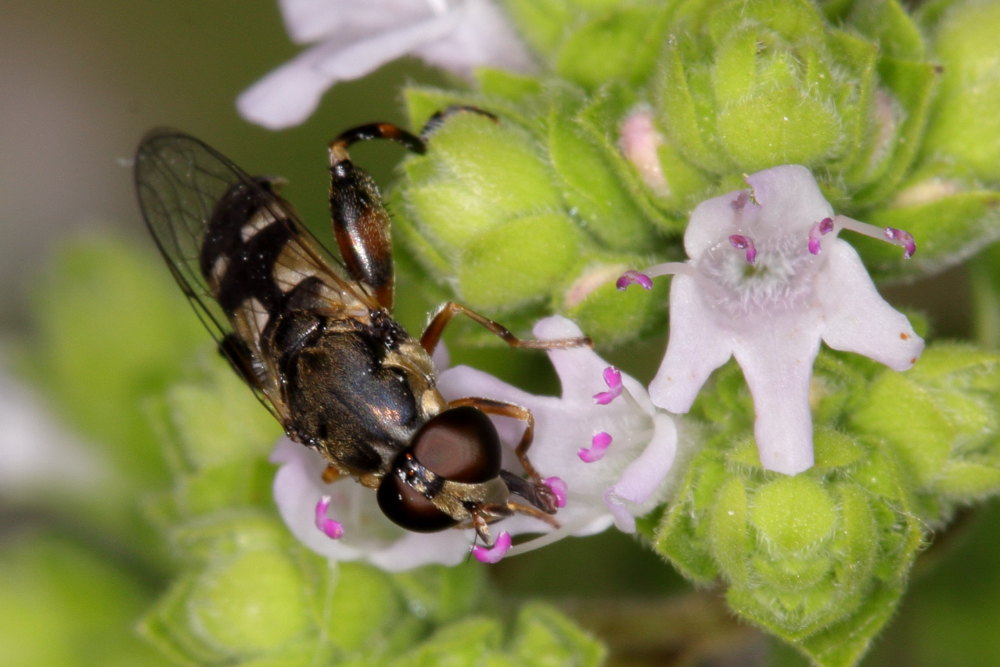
column 495, row 553
column 821, row 228
column 741, row 242
column 612, row 378
column 598, row 446
column 895, row 236
column 633, row 277
column 330, row 527
column 558, row 488
column 902, row 238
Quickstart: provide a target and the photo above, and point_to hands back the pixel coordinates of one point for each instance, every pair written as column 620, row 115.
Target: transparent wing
column 180, row 182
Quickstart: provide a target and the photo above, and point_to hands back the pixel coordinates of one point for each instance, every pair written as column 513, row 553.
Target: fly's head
column 451, row 474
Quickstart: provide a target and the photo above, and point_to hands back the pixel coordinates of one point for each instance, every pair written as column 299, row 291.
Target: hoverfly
column 314, row 337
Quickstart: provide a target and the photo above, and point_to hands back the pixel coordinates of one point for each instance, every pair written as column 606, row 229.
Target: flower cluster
column 621, row 119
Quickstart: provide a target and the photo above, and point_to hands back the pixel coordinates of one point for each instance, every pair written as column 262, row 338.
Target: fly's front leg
column 482, row 526
column 432, row 334
column 360, row 221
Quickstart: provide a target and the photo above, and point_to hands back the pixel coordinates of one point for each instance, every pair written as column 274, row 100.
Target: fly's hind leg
column 360, row 221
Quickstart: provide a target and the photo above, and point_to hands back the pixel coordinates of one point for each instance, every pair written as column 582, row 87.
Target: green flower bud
column 618, row 44
column 227, row 533
column 541, row 635
column 803, row 554
column 965, row 123
column 611, row 316
column 517, row 261
column 443, row 594
column 750, row 85
column 228, row 612
column 943, row 420
column 216, row 438
column 518, row 217
column 487, row 204
column 213, row 419
column 474, row 640
column 363, row 605
column 541, row 630
column 249, row 603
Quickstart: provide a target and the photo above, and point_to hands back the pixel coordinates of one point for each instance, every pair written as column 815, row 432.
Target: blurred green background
column 82, row 82
column 79, row 85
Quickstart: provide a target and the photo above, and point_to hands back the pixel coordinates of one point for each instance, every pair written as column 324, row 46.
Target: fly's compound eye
column 404, row 496
column 458, row 445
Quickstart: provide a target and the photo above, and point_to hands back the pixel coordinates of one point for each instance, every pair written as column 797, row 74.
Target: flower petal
column 287, row 96
column 368, row 534
column 789, row 200
column 345, row 20
column 697, row 346
column 483, row 37
column 784, row 199
column 564, row 425
column 580, row 369
column 777, row 357
column 635, row 491
column 857, row 319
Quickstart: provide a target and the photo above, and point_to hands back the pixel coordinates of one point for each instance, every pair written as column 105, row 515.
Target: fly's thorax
column 351, row 395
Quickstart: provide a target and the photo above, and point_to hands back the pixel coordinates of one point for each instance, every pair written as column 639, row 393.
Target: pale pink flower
column 352, row 38
column 767, row 280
